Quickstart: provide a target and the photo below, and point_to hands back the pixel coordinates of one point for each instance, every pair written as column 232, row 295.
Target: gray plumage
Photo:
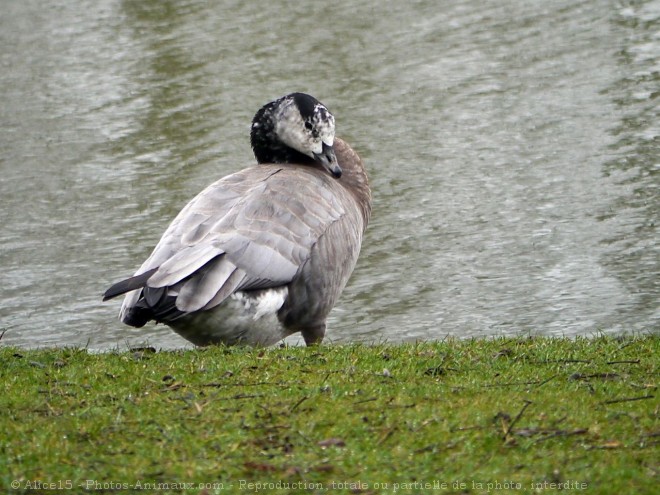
column 264, row 252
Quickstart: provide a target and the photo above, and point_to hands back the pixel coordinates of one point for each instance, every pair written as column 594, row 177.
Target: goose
column 265, row 252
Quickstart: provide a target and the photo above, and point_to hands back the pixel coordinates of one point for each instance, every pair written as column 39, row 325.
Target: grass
column 459, row 416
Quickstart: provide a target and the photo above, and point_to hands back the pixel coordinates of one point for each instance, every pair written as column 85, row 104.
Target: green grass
column 460, row 415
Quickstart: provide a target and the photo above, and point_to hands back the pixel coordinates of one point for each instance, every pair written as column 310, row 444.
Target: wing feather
column 183, row 264
column 198, row 291
column 248, row 230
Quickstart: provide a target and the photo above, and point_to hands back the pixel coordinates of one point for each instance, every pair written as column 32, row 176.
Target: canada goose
column 265, row 252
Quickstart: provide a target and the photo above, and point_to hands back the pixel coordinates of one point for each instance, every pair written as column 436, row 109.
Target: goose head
column 296, row 128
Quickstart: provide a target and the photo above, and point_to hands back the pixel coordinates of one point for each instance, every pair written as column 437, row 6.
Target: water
column 513, row 150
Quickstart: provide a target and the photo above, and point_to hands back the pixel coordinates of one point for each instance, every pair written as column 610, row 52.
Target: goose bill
column 328, row 159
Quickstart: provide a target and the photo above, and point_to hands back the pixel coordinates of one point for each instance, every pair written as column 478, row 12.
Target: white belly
column 248, row 318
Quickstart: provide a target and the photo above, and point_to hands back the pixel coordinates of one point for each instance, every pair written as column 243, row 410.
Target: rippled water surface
column 513, row 149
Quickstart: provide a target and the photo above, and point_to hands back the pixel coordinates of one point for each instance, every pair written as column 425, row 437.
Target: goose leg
column 314, row 335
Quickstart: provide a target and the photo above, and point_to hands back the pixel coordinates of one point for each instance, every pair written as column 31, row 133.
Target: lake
column 513, row 149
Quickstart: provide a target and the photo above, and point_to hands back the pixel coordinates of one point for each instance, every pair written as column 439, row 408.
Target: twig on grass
column 563, row 433
column 295, row 406
column 246, row 384
column 547, row 361
column 386, row 435
column 513, row 384
column 628, row 399
column 604, row 376
column 515, row 420
column 245, row 396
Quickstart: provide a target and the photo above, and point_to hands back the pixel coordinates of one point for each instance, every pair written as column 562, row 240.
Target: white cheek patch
column 294, row 136
column 290, row 129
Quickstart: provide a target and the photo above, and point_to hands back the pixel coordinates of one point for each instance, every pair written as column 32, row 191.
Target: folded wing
column 250, row 230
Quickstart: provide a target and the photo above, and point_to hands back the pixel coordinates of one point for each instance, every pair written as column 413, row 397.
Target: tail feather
column 133, row 283
column 163, row 310
column 152, row 303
